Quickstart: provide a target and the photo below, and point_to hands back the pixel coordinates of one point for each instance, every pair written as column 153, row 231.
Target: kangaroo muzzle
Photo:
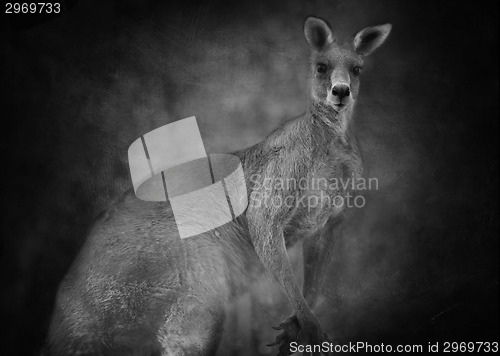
column 341, row 91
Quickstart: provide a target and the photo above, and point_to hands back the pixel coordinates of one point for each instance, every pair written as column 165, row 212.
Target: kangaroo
column 136, row 288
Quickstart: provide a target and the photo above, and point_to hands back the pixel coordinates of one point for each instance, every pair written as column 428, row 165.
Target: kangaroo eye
column 321, row 68
column 356, row 71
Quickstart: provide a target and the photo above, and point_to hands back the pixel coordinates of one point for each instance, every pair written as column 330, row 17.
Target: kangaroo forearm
column 278, row 264
column 299, row 303
column 311, row 293
column 314, row 273
column 318, row 253
column 271, row 250
column 289, row 285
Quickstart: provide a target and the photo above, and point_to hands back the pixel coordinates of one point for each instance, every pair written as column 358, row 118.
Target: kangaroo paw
column 290, row 333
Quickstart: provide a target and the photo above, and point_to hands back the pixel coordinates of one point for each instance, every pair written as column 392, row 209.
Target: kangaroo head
column 336, row 67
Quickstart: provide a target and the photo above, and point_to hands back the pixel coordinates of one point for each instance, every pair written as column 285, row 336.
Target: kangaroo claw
column 278, row 340
column 290, row 333
column 273, row 343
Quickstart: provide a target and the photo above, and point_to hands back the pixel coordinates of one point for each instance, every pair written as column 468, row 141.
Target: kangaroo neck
column 327, row 115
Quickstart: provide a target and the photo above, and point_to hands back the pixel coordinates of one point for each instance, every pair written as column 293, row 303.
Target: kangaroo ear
column 318, row 33
column 370, row 38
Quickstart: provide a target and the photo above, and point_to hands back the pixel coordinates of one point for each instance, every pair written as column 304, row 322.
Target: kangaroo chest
column 326, row 194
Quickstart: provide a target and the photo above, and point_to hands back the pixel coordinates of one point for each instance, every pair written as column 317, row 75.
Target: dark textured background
column 419, row 263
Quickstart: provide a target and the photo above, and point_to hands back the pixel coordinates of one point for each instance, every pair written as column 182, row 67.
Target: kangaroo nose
column 341, row 90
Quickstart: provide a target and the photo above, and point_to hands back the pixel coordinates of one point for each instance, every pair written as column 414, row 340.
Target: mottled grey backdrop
column 419, row 263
